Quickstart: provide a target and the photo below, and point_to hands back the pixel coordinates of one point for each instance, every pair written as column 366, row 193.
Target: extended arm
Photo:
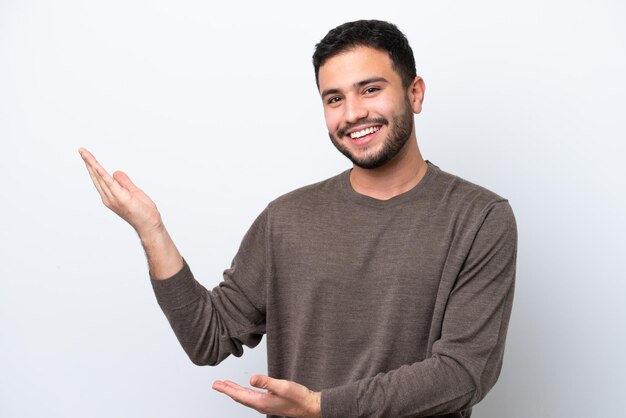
column 209, row 325
column 181, row 296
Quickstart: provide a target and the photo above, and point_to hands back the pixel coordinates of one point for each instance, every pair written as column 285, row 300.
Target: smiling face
column 369, row 114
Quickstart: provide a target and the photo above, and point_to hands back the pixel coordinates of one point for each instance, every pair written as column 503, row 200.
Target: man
column 384, row 291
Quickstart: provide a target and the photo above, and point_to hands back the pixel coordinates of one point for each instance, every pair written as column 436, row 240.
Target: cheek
column 332, row 119
column 392, row 108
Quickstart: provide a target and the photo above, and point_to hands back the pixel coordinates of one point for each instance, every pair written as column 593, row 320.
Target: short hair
column 376, row 34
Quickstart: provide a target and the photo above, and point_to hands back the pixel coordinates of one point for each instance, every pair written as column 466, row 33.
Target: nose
column 354, row 110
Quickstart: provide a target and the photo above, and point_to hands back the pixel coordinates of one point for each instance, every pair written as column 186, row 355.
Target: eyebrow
column 357, row 85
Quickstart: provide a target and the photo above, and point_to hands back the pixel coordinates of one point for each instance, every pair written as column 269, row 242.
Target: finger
column 96, row 176
column 227, row 385
column 236, row 392
column 103, row 190
column 231, row 388
column 219, row 386
column 106, row 180
column 87, row 156
column 91, row 161
column 84, row 152
column 260, row 381
column 225, row 389
column 233, row 385
column 124, row 181
column 222, row 385
column 103, row 184
column 248, row 397
column 95, row 181
column 265, row 382
column 113, row 185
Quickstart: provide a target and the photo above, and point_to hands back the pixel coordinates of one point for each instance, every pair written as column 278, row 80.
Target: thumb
column 124, row 180
column 263, row 382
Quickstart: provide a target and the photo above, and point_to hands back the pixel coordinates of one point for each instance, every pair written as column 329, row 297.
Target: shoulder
column 459, row 187
column 454, row 190
column 468, row 205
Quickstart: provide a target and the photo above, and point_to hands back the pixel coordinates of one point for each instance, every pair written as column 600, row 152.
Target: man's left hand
column 279, row 397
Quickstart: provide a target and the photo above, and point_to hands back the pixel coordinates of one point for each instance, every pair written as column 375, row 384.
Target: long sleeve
column 465, row 361
column 211, row 325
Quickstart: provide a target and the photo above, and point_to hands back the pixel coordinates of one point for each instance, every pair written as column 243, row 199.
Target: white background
column 213, row 111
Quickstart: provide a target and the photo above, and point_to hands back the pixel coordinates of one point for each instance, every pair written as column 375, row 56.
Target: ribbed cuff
column 178, row 290
column 340, row 402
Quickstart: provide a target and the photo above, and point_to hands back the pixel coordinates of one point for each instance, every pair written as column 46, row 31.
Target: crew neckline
column 349, row 192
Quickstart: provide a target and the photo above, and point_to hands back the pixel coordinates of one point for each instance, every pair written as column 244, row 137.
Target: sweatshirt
column 390, row 308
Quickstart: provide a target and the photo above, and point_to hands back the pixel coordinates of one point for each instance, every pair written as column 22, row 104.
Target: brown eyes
column 337, row 99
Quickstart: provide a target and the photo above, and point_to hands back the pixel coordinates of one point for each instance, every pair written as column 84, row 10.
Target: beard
column 398, row 135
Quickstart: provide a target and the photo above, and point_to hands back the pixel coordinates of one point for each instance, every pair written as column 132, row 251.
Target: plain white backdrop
column 212, row 109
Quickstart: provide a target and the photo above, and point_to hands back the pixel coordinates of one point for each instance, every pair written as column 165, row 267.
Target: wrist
column 164, row 260
column 153, row 234
column 316, row 405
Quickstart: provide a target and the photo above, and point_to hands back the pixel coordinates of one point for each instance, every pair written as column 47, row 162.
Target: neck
column 398, row 176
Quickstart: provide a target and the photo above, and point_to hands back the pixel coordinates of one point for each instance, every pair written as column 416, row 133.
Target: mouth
column 364, row 135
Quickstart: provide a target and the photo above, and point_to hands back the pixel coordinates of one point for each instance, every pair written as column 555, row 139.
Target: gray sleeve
column 211, row 325
column 467, row 358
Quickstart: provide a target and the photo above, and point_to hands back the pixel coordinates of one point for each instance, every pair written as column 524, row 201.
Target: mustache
column 366, row 121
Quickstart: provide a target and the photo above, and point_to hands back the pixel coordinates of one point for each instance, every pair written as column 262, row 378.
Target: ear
column 416, row 94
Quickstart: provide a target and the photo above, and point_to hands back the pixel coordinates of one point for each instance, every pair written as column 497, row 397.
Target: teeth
column 366, row 131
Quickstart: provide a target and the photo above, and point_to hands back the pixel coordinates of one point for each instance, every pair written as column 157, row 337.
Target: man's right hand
column 119, row 194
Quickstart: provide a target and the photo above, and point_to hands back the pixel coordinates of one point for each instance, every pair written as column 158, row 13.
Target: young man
column 384, row 291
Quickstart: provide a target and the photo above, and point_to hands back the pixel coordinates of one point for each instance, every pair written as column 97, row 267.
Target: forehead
column 354, row 65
